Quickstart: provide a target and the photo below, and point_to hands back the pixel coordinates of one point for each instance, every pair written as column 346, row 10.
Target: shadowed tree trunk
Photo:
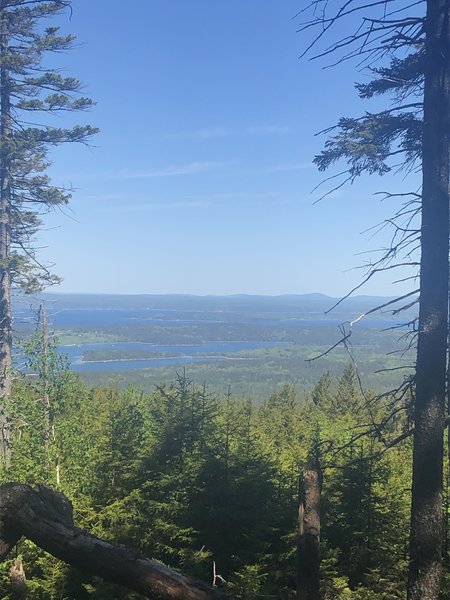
column 308, row 540
column 429, row 408
column 45, row 517
column 413, row 50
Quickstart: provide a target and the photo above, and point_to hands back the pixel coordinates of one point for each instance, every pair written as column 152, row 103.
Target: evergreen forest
column 184, row 491
column 195, row 479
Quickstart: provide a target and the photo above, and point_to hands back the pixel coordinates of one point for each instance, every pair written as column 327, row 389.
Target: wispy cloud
column 218, row 132
column 201, row 134
column 163, row 206
column 268, row 130
column 292, row 167
column 210, row 201
column 242, row 196
column 100, row 197
column 170, row 171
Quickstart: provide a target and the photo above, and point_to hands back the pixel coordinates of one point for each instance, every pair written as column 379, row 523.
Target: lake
column 184, row 354
column 250, row 321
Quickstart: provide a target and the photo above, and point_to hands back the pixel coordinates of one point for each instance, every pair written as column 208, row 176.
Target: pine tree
column 28, row 87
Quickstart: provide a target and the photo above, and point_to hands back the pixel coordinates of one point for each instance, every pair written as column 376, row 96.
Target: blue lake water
column 110, row 318
column 184, row 354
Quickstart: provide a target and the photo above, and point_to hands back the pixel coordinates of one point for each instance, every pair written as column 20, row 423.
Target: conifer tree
column 419, row 50
column 27, row 87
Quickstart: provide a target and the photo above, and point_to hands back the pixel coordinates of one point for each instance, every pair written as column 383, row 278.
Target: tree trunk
column 5, row 238
column 308, row 540
column 49, row 433
column 429, row 409
column 45, row 517
column 19, row 587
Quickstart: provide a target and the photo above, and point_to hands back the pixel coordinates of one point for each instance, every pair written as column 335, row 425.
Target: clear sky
column 201, row 178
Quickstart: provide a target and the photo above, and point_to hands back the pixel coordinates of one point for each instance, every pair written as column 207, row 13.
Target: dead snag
column 308, row 538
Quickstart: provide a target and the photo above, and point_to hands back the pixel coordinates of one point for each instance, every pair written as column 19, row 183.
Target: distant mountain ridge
column 298, row 304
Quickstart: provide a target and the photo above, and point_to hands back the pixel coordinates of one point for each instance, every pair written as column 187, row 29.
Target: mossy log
column 44, row 516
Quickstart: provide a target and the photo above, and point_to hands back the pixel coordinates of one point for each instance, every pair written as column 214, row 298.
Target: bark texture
column 5, row 234
column 429, row 410
column 19, row 587
column 45, row 517
column 5, row 212
column 308, row 541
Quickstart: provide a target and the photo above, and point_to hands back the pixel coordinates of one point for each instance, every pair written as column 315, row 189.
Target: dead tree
column 19, row 586
column 45, row 517
column 308, row 536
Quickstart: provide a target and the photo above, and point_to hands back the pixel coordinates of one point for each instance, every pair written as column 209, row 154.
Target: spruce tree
column 415, row 126
column 27, row 87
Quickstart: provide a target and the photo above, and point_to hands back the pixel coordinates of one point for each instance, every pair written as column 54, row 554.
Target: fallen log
column 44, row 516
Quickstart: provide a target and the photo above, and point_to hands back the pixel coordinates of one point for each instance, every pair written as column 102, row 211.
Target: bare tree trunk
column 308, row 540
column 5, row 238
column 429, row 410
column 49, row 424
column 45, row 517
column 19, row 586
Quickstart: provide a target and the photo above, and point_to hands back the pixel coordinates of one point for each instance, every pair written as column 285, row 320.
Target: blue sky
column 201, row 178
